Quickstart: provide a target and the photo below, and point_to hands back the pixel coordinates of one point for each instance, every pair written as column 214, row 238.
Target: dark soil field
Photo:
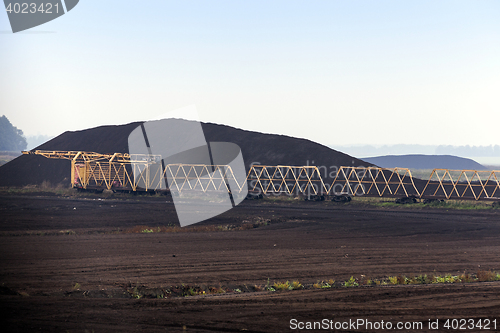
column 82, row 264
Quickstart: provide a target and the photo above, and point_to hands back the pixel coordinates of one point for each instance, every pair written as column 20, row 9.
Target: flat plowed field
column 75, row 264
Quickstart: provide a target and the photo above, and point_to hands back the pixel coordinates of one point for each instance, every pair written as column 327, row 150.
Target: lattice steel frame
column 118, row 170
column 141, row 172
column 288, row 179
column 472, row 181
column 375, row 177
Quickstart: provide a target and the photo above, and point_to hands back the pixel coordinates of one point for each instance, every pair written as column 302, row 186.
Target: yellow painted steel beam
column 475, row 181
column 93, row 156
column 132, row 171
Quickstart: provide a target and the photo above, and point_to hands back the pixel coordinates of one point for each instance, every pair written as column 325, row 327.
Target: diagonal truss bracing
column 348, row 180
column 457, row 184
column 147, row 172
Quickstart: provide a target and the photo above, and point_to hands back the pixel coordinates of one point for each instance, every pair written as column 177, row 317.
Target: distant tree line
column 11, row 138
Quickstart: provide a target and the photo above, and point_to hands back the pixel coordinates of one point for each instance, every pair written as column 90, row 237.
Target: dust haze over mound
column 266, row 149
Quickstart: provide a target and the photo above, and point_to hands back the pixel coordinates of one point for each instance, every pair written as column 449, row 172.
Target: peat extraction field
column 120, row 263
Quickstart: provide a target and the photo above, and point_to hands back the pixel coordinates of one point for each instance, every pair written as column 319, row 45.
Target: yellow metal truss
column 469, row 183
column 286, row 179
column 90, row 169
column 147, row 172
column 348, row 180
column 397, row 181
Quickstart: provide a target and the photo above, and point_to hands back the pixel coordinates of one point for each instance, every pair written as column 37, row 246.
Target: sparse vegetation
column 65, row 190
column 287, row 285
column 467, row 278
column 281, row 285
column 322, row 284
column 188, row 290
column 245, row 225
column 480, row 276
column 278, row 198
column 268, row 287
column 484, row 276
column 393, row 279
column 445, row 204
column 366, row 281
column 296, row 285
column 421, row 279
column 351, row 282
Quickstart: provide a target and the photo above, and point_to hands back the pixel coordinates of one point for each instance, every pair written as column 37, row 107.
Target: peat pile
column 266, row 149
column 419, row 161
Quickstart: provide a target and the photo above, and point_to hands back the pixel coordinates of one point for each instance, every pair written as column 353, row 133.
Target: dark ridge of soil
column 267, row 149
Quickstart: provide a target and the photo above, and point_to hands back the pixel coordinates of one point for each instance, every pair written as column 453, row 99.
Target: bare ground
column 70, row 264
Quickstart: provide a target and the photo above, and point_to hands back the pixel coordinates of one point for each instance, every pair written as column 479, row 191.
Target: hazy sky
column 336, row 72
